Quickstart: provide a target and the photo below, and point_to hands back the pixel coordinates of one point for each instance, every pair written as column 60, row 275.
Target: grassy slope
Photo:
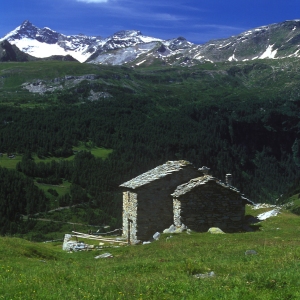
column 163, row 269
column 205, row 82
column 10, row 163
column 18, row 73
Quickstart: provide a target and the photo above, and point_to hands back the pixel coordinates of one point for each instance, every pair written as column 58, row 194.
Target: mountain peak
column 26, row 23
column 27, row 26
column 127, row 33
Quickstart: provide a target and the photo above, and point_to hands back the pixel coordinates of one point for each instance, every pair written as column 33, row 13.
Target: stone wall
column 210, row 205
column 129, row 215
column 155, row 210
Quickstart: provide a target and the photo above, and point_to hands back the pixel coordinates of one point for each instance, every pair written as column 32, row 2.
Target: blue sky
column 196, row 20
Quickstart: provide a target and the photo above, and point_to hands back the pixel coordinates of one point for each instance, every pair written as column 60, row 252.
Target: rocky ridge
column 131, row 47
column 60, row 83
column 44, row 42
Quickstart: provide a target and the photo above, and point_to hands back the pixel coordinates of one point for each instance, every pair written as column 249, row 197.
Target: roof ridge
column 156, row 173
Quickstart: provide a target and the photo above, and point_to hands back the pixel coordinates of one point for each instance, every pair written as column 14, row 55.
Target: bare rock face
column 95, row 96
column 162, row 49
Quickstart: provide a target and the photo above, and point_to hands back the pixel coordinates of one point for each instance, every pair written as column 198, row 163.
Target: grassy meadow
column 11, row 163
column 163, row 269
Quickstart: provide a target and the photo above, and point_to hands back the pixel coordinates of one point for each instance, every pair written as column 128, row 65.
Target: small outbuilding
column 206, row 202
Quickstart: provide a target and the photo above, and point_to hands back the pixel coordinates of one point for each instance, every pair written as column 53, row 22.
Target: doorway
column 129, row 230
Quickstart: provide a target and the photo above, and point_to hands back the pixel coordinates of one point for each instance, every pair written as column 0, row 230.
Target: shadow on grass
column 252, row 223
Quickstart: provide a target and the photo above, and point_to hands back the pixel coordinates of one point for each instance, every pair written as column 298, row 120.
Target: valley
column 234, row 117
column 80, row 115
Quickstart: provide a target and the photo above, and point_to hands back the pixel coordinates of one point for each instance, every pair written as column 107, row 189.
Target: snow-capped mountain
column 46, row 42
column 273, row 41
column 131, row 47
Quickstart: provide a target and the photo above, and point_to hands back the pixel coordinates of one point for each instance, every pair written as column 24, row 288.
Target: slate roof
column 159, row 172
column 187, row 187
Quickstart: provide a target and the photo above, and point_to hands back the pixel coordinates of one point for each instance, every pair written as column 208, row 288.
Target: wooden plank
column 93, row 237
column 98, row 239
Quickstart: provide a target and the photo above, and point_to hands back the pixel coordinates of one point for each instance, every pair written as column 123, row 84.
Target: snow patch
column 268, row 214
column 296, row 53
column 41, row 50
column 139, row 63
column 269, row 53
column 148, row 39
column 232, row 58
column 248, row 33
column 223, row 46
column 48, row 29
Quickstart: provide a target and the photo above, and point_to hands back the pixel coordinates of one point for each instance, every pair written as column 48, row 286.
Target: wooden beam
column 94, row 237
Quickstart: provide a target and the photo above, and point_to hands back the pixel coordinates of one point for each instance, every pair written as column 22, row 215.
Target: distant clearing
column 10, row 163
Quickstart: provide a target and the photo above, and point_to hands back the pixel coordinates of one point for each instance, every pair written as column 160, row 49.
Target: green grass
column 96, row 151
column 10, row 163
column 57, row 221
column 46, row 229
column 61, row 189
column 205, row 81
column 17, row 73
column 163, row 269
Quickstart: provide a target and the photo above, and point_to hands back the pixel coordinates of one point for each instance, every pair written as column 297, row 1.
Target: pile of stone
column 71, row 245
column 263, row 205
column 174, row 229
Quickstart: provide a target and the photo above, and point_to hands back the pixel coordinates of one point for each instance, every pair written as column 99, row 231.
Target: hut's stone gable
column 130, row 205
column 173, row 193
column 206, row 202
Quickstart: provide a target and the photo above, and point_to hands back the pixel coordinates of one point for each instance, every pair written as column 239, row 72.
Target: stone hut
column 206, row 202
column 147, row 200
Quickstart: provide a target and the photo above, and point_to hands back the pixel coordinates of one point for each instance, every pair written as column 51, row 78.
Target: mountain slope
column 132, row 48
column 273, row 41
column 46, row 42
column 10, row 52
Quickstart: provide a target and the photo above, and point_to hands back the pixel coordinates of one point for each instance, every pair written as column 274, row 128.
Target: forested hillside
column 234, row 118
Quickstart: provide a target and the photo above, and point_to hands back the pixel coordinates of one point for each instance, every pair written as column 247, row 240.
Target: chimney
column 228, row 179
column 204, row 170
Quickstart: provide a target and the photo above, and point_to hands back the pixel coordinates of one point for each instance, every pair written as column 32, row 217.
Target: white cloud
column 166, row 17
column 202, row 33
column 218, row 27
column 93, row 1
